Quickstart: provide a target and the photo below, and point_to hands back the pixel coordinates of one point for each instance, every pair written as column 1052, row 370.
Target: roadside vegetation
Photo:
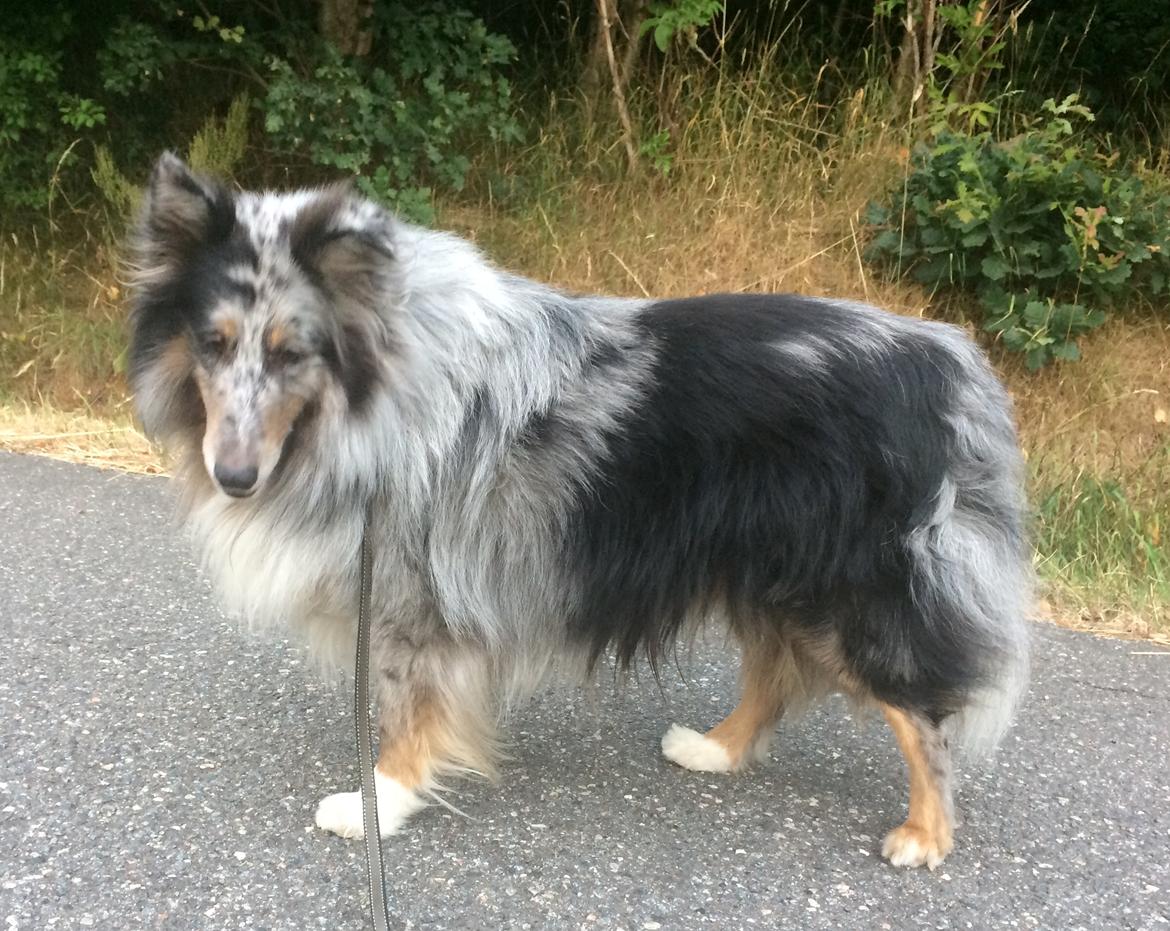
column 1002, row 166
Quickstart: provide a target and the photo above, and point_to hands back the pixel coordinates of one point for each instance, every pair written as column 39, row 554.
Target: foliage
column 121, row 195
column 145, row 75
column 40, row 119
column 961, row 70
column 668, row 20
column 219, row 146
column 656, row 149
column 216, row 149
column 1048, row 232
column 404, row 125
column 952, row 64
column 1115, row 54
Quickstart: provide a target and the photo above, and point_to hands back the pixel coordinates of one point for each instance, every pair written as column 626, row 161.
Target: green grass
column 1101, row 543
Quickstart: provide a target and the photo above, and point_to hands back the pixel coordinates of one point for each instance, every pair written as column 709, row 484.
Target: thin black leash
column 375, row 872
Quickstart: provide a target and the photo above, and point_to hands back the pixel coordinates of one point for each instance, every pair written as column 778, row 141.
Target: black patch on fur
column 748, row 480
column 186, row 212
column 342, row 262
column 244, row 290
column 353, row 361
column 316, row 234
column 313, row 228
column 180, row 303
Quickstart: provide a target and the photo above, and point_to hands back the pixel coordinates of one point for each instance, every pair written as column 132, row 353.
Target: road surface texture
column 159, row 768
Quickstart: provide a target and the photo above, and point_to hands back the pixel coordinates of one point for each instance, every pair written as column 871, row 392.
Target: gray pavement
column 160, row 768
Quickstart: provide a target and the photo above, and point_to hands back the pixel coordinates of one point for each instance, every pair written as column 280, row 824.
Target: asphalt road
column 160, row 768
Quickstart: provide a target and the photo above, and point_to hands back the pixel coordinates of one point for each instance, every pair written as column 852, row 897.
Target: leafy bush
column 1048, row 232
column 403, row 122
column 40, row 119
column 667, row 20
column 132, row 77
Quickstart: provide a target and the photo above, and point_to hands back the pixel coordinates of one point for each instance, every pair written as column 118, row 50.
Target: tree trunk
column 916, row 56
column 345, row 24
column 633, row 15
column 606, row 10
column 598, row 86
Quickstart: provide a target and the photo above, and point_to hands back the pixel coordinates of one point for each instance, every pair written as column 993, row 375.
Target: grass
column 765, row 184
column 106, row 441
column 62, row 326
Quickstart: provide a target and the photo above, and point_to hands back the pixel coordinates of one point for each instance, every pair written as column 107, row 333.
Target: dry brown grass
column 62, row 324
column 102, row 441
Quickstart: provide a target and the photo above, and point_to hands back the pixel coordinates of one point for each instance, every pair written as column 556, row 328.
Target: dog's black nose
column 237, row 482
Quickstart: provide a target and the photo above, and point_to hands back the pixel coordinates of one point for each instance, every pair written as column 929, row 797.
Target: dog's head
column 253, row 312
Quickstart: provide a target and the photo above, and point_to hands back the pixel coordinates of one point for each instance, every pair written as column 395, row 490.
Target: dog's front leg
column 436, row 714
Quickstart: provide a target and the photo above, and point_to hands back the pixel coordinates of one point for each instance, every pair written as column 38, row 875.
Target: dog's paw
column 341, row 813
column 693, row 750
column 911, row 845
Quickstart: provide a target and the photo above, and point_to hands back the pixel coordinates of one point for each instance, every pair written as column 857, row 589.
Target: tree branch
column 619, row 94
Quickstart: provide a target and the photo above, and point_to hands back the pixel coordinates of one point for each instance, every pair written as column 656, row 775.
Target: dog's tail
column 972, row 581
column 972, row 563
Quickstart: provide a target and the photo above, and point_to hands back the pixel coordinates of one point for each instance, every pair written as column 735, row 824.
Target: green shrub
column 1046, row 230
column 40, row 119
column 219, row 145
column 132, row 77
column 404, row 121
column 120, row 195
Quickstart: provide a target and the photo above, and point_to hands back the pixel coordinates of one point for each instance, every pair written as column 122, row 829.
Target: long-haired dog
column 558, row 479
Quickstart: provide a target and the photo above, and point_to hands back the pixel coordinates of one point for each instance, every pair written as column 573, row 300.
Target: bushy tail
column 973, row 556
column 975, row 563
column 979, row 727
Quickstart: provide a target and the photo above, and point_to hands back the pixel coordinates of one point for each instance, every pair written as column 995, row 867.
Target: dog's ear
column 183, row 210
column 343, row 243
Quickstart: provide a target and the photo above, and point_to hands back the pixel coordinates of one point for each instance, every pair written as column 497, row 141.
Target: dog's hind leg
column 436, row 716
column 927, row 835
column 743, row 736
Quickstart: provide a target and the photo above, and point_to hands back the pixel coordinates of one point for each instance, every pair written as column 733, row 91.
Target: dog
column 555, row 481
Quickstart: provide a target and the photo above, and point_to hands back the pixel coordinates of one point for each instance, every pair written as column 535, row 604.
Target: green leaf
column 994, row 267
column 1036, row 357
column 663, row 33
column 876, row 214
column 934, row 271
column 1037, row 313
column 1068, row 351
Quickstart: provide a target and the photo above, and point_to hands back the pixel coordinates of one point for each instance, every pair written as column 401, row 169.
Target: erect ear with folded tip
column 345, row 255
column 183, row 209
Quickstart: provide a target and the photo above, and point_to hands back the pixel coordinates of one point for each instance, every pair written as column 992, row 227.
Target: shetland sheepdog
column 555, row 480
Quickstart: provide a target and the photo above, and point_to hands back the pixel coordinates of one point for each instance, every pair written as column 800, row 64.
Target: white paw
column 692, row 750
column 341, row 812
column 909, row 845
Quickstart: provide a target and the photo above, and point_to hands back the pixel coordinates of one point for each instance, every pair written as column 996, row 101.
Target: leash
column 375, row 872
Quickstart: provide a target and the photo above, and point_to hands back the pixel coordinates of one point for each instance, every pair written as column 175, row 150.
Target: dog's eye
column 287, row 355
column 217, row 343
